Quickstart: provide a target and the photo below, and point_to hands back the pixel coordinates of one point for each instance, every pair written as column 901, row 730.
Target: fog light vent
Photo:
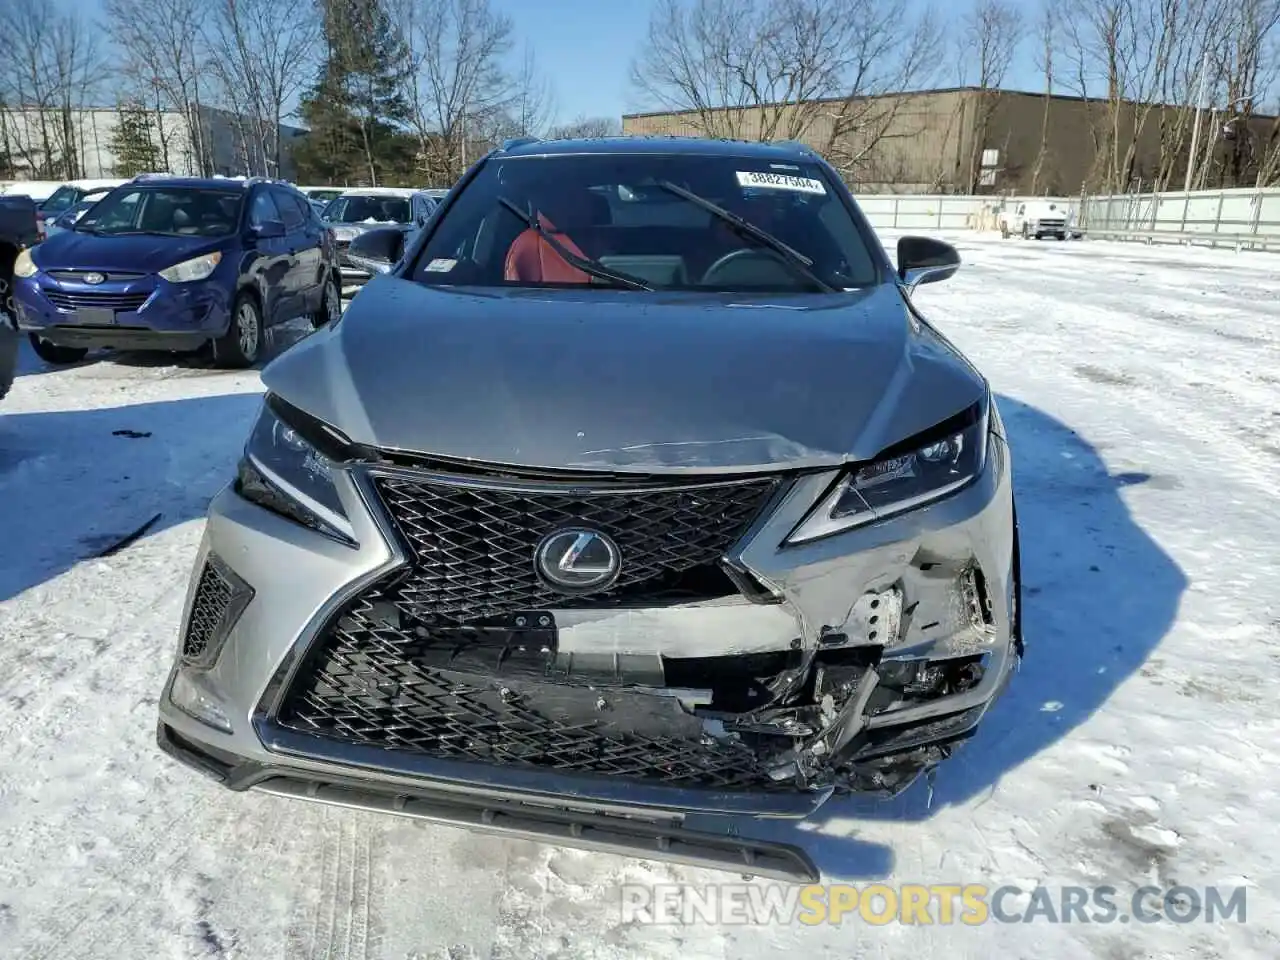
column 220, row 597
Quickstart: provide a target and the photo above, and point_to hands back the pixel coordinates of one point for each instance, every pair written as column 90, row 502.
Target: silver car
column 638, row 489
column 359, row 210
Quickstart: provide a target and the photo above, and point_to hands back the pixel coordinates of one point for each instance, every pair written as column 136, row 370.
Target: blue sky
column 585, row 47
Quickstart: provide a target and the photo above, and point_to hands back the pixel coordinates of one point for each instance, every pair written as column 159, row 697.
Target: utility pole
column 1195, row 127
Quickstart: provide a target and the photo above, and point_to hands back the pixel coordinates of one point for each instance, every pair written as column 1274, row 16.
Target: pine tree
column 133, row 141
column 356, row 109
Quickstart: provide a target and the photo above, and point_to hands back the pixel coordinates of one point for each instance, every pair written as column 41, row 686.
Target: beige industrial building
column 969, row 140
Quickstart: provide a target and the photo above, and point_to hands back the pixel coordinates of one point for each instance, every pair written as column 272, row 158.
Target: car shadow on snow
column 76, row 483
column 1099, row 595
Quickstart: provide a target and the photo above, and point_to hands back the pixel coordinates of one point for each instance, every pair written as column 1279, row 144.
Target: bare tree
column 50, row 71
column 462, row 91
column 261, row 53
column 1147, row 62
column 818, row 70
column 164, row 60
column 1249, row 70
column 992, row 31
column 530, row 106
column 1045, row 35
column 584, row 127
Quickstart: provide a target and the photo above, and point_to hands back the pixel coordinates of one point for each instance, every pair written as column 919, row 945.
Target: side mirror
column 269, row 230
column 925, row 260
column 377, row 250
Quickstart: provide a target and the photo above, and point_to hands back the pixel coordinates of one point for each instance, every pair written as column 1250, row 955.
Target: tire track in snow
column 345, row 916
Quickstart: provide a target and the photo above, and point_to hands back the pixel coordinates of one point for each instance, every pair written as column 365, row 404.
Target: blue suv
column 174, row 263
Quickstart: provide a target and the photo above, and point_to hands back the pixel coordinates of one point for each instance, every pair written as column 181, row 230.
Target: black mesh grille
column 220, row 598
column 372, row 683
column 111, row 301
column 473, row 546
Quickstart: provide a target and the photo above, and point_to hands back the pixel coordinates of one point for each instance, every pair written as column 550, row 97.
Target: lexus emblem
column 578, row 561
column 94, row 278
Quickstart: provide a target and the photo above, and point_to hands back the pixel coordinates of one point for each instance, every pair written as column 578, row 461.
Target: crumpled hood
column 75, row 250
column 618, row 380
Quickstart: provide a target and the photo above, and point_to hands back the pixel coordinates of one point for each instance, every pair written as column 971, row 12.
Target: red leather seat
column 530, row 259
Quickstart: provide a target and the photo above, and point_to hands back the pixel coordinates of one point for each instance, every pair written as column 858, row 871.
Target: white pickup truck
column 1035, row 218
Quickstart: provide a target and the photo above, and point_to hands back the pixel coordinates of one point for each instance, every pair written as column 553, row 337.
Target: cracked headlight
column 908, row 475
column 286, row 473
column 197, row 268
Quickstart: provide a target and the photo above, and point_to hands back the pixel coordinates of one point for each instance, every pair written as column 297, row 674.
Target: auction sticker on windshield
column 779, row 181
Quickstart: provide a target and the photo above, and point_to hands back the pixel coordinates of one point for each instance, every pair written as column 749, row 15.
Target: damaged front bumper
column 850, row 664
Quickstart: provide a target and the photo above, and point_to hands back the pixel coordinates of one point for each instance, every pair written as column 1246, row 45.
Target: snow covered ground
column 1138, row 745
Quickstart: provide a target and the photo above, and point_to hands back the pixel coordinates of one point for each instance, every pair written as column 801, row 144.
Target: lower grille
column 372, row 682
column 473, row 546
column 108, row 301
column 220, row 597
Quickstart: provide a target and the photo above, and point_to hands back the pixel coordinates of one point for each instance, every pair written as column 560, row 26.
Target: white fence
column 942, row 212
column 1241, row 218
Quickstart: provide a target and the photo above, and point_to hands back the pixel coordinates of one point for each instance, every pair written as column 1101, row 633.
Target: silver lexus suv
column 636, row 489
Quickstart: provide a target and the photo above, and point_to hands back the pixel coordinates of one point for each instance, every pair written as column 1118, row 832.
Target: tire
column 1004, row 231
column 8, row 359
column 1026, row 231
column 1062, row 236
column 52, row 353
column 330, row 305
column 241, row 346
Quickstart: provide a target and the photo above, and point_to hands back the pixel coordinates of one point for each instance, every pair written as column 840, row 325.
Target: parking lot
column 1141, row 389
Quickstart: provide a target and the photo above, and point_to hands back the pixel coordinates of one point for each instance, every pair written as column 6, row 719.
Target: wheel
column 330, row 305
column 241, row 345
column 8, row 358
column 52, row 353
column 1026, row 231
column 1004, row 231
column 1062, row 236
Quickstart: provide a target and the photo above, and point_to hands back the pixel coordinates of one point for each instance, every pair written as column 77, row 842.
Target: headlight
column 284, row 472
column 24, row 266
column 197, row 268
column 909, row 475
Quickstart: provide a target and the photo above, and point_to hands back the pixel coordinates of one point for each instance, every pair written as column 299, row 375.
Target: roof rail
column 798, row 144
column 519, row 142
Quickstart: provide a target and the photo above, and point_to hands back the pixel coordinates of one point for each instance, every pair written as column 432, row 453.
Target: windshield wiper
column 794, row 258
column 124, row 233
column 586, row 265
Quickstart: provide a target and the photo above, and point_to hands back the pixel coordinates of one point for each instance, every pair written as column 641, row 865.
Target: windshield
column 165, row 211
column 368, row 209
column 61, row 199
column 646, row 218
column 76, row 211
